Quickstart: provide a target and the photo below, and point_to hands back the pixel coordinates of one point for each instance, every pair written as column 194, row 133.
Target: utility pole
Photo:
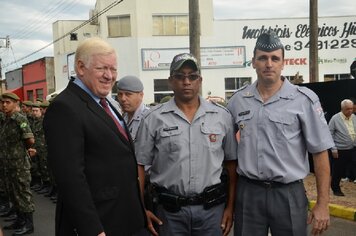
column 313, row 42
column 194, row 29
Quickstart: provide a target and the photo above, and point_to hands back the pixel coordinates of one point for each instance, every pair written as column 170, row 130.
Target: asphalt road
column 44, row 221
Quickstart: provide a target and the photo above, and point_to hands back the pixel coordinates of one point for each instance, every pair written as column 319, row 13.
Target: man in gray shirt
column 186, row 141
column 130, row 96
column 343, row 130
column 278, row 122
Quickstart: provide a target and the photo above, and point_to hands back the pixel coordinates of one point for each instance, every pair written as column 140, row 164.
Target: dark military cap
column 182, row 58
column 130, row 83
column 10, row 95
column 268, row 42
column 27, row 103
column 44, row 104
column 39, row 100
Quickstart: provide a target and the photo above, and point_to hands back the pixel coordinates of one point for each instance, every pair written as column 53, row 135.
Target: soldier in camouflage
column 17, row 139
column 40, row 148
column 4, row 200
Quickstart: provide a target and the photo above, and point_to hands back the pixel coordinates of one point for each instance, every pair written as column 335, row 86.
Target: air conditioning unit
column 93, row 17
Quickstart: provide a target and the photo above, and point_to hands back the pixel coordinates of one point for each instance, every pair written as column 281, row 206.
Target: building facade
column 38, row 78
column 147, row 34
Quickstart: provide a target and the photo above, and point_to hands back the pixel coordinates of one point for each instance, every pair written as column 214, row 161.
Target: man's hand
column 320, row 218
column 335, row 154
column 32, row 152
column 151, row 218
column 227, row 220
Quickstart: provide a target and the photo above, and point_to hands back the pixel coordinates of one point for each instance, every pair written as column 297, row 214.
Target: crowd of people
column 177, row 168
column 23, row 160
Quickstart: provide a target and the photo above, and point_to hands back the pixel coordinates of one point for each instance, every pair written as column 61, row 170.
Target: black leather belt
column 268, row 183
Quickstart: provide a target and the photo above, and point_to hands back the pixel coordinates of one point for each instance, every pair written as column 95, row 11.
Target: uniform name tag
column 244, row 113
column 170, row 128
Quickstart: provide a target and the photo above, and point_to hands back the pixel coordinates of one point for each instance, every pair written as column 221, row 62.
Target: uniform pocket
column 213, row 136
column 170, row 139
column 285, row 125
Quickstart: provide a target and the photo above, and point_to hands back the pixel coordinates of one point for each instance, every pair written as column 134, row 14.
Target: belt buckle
column 267, row 184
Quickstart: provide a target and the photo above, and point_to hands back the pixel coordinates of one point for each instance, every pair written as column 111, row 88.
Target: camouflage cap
column 268, row 42
column 39, row 100
column 182, row 58
column 13, row 96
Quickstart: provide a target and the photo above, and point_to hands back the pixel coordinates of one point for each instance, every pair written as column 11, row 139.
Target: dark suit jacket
column 94, row 166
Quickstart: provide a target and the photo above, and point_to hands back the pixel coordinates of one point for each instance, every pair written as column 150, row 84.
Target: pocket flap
column 106, row 194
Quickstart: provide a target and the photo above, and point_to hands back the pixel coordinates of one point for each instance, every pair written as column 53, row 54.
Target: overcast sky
column 29, row 22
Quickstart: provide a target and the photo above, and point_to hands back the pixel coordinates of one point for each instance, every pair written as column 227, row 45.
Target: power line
column 113, row 4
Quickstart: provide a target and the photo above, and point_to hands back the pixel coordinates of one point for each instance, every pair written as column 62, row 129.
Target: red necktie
column 105, row 105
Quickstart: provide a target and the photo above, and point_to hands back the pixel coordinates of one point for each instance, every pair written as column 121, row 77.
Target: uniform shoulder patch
column 309, row 93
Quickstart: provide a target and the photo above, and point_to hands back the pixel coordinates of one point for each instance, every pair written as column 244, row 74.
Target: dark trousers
column 338, row 170
column 280, row 209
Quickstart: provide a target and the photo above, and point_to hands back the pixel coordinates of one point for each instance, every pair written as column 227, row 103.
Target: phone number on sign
column 326, row 44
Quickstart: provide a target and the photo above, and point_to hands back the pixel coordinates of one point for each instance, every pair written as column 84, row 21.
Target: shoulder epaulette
column 220, row 106
column 240, row 89
column 152, row 109
column 309, row 93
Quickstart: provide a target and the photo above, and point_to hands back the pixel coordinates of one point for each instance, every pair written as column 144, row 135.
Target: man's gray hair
column 345, row 102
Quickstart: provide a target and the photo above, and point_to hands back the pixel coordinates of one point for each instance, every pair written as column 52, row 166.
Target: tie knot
column 103, row 102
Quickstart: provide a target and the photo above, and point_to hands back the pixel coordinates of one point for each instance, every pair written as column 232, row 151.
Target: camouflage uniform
column 41, row 148
column 15, row 131
column 3, row 182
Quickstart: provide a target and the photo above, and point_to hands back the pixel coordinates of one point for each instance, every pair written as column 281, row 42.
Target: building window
column 30, row 95
column 39, row 94
column 170, row 25
column 330, row 77
column 161, row 89
column 234, row 83
column 119, row 26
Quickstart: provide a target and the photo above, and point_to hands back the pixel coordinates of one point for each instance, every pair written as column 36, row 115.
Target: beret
column 130, row 83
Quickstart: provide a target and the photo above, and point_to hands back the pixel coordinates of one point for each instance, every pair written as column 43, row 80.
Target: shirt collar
column 80, row 83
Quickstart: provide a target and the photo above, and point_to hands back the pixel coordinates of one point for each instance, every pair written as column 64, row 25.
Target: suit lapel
column 99, row 111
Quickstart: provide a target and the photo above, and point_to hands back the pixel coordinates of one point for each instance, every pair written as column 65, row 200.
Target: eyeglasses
column 191, row 77
column 104, row 69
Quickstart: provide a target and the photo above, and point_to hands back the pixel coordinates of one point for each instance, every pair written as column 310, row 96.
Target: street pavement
column 44, row 221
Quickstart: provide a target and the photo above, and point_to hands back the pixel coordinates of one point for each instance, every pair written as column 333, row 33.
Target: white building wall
column 337, row 48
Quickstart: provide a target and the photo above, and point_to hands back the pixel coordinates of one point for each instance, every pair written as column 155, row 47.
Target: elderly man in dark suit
column 91, row 153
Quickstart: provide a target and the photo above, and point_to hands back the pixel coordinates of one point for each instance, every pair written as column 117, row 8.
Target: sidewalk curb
column 339, row 211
